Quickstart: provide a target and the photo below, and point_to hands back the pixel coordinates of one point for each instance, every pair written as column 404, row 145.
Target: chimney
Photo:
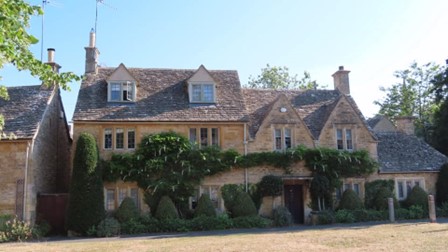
column 92, row 55
column 405, row 124
column 341, row 82
column 55, row 66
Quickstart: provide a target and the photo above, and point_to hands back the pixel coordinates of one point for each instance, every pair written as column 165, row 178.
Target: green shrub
column 205, row 207
column 86, row 201
column 3, row 219
column 402, row 214
column 133, row 226
column 282, row 217
column 416, row 212
column 229, row 193
column 325, row 217
column 442, row 185
column 344, row 216
column 271, row 185
column 251, row 222
column 174, row 225
column 442, row 211
column 166, row 209
column 350, row 201
column 417, row 197
column 244, row 206
column 203, row 223
column 377, row 192
column 42, row 229
column 151, row 224
column 127, row 210
column 108, row 227
column 16, row 230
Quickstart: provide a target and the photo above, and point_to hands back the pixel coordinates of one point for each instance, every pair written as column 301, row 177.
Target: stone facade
column 39, row 164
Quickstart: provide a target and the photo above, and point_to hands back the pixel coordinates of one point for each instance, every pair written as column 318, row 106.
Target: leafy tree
column 86, row 202
column 442, row 186
column 279, row 78
column 412, row 96
column 15, row 42
column 440, row 124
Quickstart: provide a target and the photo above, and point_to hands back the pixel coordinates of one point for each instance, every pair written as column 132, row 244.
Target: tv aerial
column 44, row 3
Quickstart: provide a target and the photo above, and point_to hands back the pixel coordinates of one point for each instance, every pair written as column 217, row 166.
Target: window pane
column 408, row 187
column 128, row 91
column 193, row 136
column 348, row 138
column 107, row 138
column 417, row 183
column 134, row 196
column 122, row 193
column 131, row 138
column 400, row 190
column 110, row 199
column 119, row 139
column 287, row 138
column 278, row 139
column 207, row 90
column 115, row 91
column 204, row 137
column 196, row 93
column 340, row 144
column 215, row 137
column 347, row 186
column 356, row 188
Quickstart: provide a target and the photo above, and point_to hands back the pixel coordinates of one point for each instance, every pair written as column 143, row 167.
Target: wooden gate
column 52, row 209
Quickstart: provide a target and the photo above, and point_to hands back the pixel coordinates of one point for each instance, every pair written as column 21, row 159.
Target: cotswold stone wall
column 230, row 135
column 12, row 169
column 344, row 117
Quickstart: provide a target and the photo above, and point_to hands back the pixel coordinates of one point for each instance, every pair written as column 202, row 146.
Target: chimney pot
column 446, row 61
column 92, row 38
column 50, row 52
column 341, row 67
column 91, row 55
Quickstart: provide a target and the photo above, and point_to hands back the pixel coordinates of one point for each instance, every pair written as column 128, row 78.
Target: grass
column 385, row 237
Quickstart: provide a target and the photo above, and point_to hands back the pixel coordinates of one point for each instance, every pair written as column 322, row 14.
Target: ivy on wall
column 169, row 164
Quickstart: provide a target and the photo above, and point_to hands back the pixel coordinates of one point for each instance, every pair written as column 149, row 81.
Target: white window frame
column 283, row 136
column 210, row 141
column 350, row 184
column 114, row 131
column 119, row 193
column 345, row 144
column 202, row 85
column 125, row 86
column 412, row 180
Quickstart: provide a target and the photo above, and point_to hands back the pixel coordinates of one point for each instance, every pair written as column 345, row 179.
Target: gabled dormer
column 121, row 85
column 201, row 87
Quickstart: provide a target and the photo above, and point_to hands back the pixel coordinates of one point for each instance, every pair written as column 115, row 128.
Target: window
column 119, row 138
column 202, row 93
column 131, row 139
column 108, row 139
column 282, row 139
column 114, row 196
column 355, row 186
column 344, row 139
column 204, row 136
column 122, row 91
column 110, row 199
column 213, row 192
column 404, row 186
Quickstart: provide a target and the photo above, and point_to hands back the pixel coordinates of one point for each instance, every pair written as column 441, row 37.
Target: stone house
column 120, row 105
column 403, row 157
column 35, row 160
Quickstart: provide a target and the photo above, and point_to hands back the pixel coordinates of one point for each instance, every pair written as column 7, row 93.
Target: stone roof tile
column 24, row 110
column 398, row 152
column 162, row 95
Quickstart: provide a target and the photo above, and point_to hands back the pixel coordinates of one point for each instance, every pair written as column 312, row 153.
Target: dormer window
column 202, row 92
column 121, row 91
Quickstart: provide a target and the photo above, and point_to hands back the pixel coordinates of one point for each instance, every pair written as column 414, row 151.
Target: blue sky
column 371, row 38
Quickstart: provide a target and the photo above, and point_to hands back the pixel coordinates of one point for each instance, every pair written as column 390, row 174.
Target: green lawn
column 421, row 236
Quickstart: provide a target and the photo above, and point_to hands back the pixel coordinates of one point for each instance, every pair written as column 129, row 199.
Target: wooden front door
column 294, row 202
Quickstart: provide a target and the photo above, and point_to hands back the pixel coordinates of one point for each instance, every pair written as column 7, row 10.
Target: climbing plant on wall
column 168, row 164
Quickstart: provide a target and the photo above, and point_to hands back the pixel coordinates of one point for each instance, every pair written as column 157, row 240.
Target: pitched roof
column 373, row 121
column 398, row 152
column 24, row 110
column 313, row 106
column 162, row 95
